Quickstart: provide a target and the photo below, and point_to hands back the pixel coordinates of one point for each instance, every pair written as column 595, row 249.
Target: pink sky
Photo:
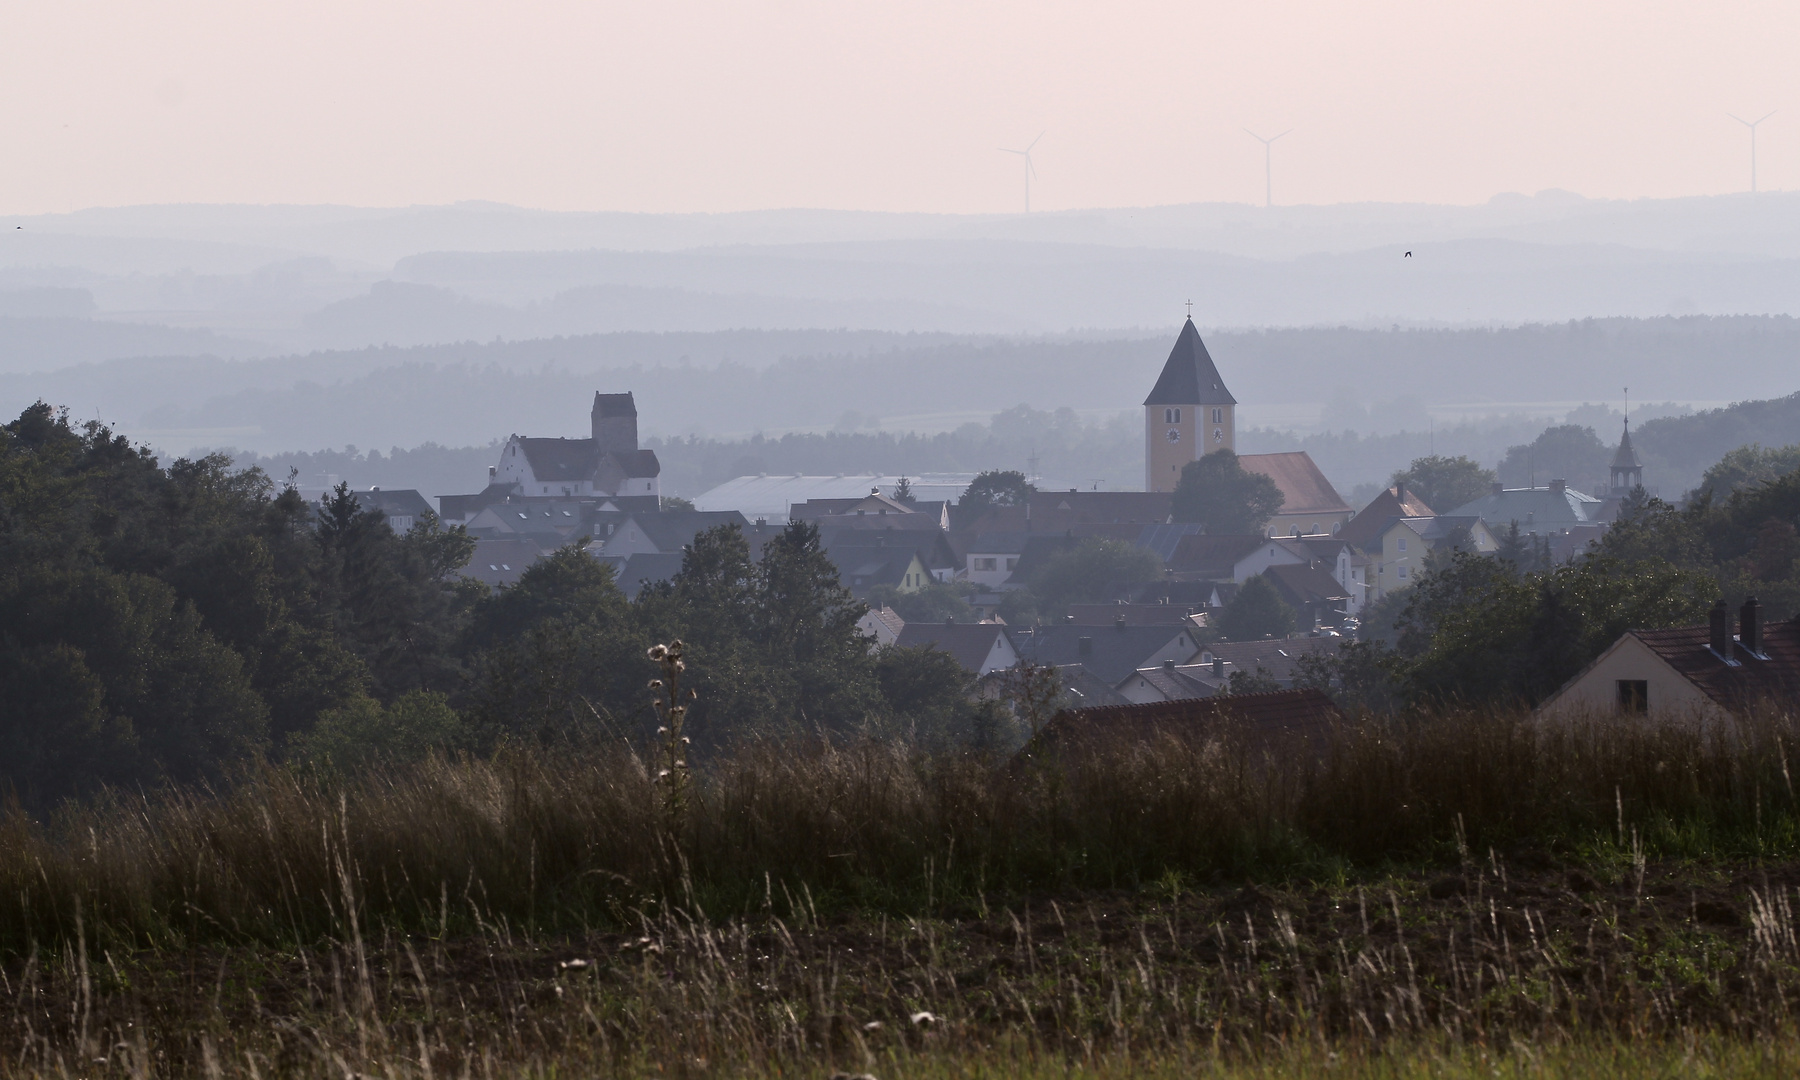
column 884, row 106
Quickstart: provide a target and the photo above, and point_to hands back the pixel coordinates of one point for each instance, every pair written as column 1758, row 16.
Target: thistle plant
column 671, row 708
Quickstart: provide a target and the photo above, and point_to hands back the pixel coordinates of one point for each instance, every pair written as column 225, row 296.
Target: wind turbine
column 1268, row 178
column 1030, row 172
column 1752, row 127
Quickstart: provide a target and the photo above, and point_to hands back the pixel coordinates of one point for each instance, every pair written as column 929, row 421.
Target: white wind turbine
column 1030, row 172
column 1752, row 127
column 1268, row 171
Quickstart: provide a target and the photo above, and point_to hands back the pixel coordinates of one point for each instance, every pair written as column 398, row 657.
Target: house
column 989, row 559
column 1318, row 598
column 773, row 497
column 499, row 562
column 981, row 648
column 1366, row 528
column 1699, row 672
column 1200, row 557
column 867, row 559
column 881, row 625
column 1288, row 719
column 886, row 512
column 1104, row 507
column 1276, row 658
column 1537, row 511
column 1310, row 506
column 666, row 532
column 1112, row 653
column 608, row 462
column 1403, row 547
column 1168, row 682
column 1136, row 614
column 403, row 508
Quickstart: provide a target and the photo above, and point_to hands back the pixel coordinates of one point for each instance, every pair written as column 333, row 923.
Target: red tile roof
column 1372, row 520
column 1304, row 488
column 1687, row 650
column 1285, row 714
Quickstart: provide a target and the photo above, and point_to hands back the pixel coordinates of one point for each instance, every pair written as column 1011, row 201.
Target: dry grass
column 1438, row 887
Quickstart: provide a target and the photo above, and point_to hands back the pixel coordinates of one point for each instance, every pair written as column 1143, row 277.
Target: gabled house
column 403, row 508
column 989, row 559
column 499, row 562
column 1403, row 547
column 1113, row 653
column 1694, row 672
column 981, row 648
column 865, row 559
column 1537, row 511
column 1366, row 528
column 666, row 532
column 881, row 626
column 1318, row 599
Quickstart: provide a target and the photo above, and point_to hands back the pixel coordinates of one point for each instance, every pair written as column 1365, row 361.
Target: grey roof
column 1189, row 376
column 672, row 530
column 500, row 562
column 967, row 643
column 1082, row 689
column 397, row 503
column 1163, row 538
column 1113, row 652
column 1626, row 457
column 1532, row 508
column 576, row 459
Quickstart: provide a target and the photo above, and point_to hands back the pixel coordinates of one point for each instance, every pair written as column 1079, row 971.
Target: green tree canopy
column 1218, row 492
column 996, row 487
column 1568, row 452
column 1095, row 570
column 1257, row 611
column 1445, row 483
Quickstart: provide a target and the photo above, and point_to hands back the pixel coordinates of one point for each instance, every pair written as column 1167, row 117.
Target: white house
column 608, row 463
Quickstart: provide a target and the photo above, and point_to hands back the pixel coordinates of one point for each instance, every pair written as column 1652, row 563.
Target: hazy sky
column 673, row 105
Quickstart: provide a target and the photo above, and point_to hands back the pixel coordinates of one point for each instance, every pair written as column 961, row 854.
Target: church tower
column 1627, row 471
column 1188, row 414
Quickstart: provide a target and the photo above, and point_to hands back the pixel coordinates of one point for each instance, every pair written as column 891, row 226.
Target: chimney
column 1118, row 622
column 1218, row 666
column 1168, row 665
column 949, row 620
column 492, row 471
column 1558, row 486
column 1400, row 490
column 1498, row 488
column 1750, row 626
column 1719, row 635
column 1084, row 646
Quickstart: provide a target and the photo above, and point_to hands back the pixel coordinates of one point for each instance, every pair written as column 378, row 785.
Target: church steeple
column 1627, row 471
column 1189, row 377
column 1188, row 414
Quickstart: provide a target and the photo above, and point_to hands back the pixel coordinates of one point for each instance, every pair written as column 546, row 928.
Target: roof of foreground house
column 1774, row 675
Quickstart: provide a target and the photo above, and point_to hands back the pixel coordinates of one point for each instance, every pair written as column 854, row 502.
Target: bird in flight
column 1408, row 255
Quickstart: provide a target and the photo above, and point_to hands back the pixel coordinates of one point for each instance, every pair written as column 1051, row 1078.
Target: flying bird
column 1408, row 255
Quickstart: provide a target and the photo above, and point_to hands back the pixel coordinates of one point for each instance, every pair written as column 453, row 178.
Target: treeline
column 176, row 624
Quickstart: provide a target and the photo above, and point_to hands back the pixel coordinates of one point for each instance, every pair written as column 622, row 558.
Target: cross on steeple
column 1190, row 305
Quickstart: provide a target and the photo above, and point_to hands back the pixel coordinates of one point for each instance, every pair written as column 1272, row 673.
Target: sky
column 701, row 105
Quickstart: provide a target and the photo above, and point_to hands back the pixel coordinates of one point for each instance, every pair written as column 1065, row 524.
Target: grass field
column 1464, row 895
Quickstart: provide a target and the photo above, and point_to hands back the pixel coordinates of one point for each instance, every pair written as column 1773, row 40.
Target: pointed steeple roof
column 1626, row 458
column 1189, row 377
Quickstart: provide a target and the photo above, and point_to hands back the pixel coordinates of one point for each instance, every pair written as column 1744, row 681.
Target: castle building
column 1188, row 414
column 607, row 463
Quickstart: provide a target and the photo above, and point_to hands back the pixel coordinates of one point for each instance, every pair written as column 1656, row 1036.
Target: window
column 1402, row 571
column 1218, row 416
column 1634, row 695
column 1171, row 416
column 1402, row 543
column 984, row 564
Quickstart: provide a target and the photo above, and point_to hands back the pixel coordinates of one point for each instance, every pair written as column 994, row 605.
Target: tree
column 1218, row 492
column 995, row 487
column 1746, row 467
column 1095, row 570
column 1568, row 452
column 903, row 492
column 933, row 602
column 1257, row 611
column 1445, row 483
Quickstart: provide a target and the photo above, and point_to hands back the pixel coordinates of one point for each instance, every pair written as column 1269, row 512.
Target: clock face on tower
column 1218, row 434
column 1174, row 436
